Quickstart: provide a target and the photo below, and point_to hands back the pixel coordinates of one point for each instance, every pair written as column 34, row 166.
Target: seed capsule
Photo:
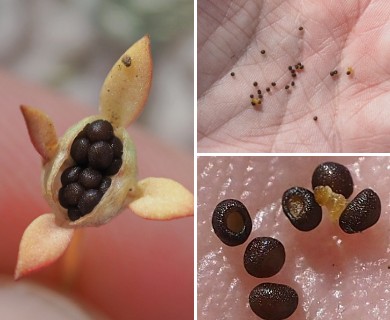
column 301, row 209
column 264, row 257
column 334, row 175
column 273, row 301
column 361, row 213
column 231, row 222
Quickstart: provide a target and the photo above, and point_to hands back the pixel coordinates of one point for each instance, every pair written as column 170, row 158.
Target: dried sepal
column 42, row 132
column 162, row 199
column 126, row 87
column 42, row 243
column 123, row 183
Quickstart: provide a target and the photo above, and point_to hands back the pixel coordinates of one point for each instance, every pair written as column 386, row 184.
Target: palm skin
column 352, row 110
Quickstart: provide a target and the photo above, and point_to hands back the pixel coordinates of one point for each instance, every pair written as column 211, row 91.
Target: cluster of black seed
column 97, row 154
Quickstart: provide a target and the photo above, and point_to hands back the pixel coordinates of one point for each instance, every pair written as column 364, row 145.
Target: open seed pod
column 122, row 98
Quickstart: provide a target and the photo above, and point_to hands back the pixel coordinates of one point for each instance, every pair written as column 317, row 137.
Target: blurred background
column 70, row 45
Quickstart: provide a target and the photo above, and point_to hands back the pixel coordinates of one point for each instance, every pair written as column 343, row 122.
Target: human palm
column 351, row 111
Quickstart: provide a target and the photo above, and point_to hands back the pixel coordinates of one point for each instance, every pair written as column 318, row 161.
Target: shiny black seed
column 79, row 150
column 70, row 175
column 315, row 118
column 273, row 301
column 348, row 73
column 262, row 51
column 361, row 213
column 105, row 184
column 70, row 195
column 232, row 74
column 334, row 175
column 273, row 84
column 231, row 222
column 100, row 130
column 90, row 178
column 100, row 155
column 301, row 209
column 287, row 87
column 264, row 257
column 255, row 84
column 89, row 200
column 74, row 214
column 117, row 146
column 114, row 167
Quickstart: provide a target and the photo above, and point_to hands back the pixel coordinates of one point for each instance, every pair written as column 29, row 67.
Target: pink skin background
column 336, row 275
column 352, row 111
column 130, row 268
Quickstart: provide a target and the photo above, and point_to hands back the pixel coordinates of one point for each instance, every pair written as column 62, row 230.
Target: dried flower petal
column 126, row 87
column 42, row 132
column 42, row 243
column 162, row 199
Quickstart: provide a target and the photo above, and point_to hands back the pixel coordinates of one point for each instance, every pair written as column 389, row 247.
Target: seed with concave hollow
column 361, row 213
column 273, row 301
column 231, row 222
column 70, row 175
column 99, row 130
column 89, row 200
column 90, row 178
column 79, row 150
column 264, row 257
column 301, row 209
column 334, row 175
column 100, row 155
column 70, row 195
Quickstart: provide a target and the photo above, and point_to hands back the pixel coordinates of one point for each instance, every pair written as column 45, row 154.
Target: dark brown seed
column 100, row 155
column 89, row 200
column 273, row 301
column 232, row 74
column 273, row 84
column 361, row 213
column 315, row 118
column 264, row 257
column 287, row 87
column 259, row 91
column 83, row 133
column 114, row 167
column 294, row 75
column 74, row 214
column 262, row 51
column 301, row 66
column 79, row 150
column 292, row 83
column 70, row 175
column 253, row 104
column 268, row 89
column 251, row 96
column 126, row 60
column 301, row 209
column 100, row 130
column 296, row 66
column 117, row 146
column 293, row 71
column 334, row 175
column 70, row 195
column 290, row 68
column 255, row 84
column 231, row 222
column 300, row 28
column 348, row 73
column 105, row 184
column 90, row 178
column 260, row 96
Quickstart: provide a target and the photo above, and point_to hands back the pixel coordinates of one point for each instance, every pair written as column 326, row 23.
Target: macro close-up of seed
column 264, row 257
column 301, row 208
column 231, row 222
column 273, row 301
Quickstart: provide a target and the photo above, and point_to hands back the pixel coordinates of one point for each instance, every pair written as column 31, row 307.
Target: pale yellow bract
column 122, row 99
